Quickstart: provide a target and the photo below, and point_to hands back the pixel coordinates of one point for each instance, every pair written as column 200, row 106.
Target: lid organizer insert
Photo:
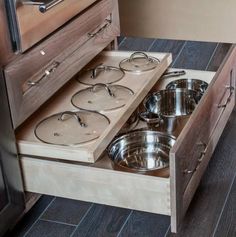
column 101, row 74
column 102, row 97
column 139, row 62
column 71, row 127
column 81, row 143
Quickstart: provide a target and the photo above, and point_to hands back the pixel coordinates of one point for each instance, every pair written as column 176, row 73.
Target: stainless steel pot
column 168, row 105
column 191, row 84
column 142, row 151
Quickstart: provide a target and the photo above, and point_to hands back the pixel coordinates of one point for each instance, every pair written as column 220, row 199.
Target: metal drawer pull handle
column 74, row 115
column 43, row 5
column 230, row 88
column 47, row 72
column 108, row 22
column 199, row 161
column 104, row 86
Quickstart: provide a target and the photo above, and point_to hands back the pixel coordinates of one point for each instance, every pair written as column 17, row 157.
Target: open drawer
column 169, row 194
column 140, row 84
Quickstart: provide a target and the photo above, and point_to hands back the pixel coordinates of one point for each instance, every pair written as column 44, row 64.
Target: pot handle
column 150, row 118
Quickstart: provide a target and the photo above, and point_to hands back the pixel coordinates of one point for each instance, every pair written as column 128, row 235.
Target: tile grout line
column 181, row 50
column 149, row 48
column 213, row 54
column 58, row 222
column 167, row 231
column 122, row 41
column 223, row 208
column 27, row 232
column 77, row 226
column 122, row 227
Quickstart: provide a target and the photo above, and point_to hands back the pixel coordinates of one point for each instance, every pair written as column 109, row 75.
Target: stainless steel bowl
column 142, row 151
column 171, row 104
column 191, row 84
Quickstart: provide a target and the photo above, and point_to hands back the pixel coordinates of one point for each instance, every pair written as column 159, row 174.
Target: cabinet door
column 180, row 19
column 11, row 189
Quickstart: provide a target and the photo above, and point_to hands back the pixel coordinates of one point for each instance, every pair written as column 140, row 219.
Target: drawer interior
column 99, row 182
column 43, row 174
column 141, row 83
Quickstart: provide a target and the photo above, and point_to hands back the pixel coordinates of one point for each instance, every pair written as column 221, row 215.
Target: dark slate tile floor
column 213, row 210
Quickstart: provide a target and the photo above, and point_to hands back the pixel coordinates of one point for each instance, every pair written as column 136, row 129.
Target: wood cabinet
column 85, row 172
column 31, row 84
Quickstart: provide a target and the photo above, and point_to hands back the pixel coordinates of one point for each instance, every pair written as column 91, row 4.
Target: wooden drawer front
column 33, row 25
column 99, row 185
column 196, row 143
column 31, row 84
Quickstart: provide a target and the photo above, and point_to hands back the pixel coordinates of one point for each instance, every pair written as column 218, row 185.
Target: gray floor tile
column 102, row 221
column 142, row 224
column 66, row 210
column 120, row 39
column 195, row 55
column 50, row 229
column 168, row 46
column 29, row 219
column 227, row 224
column 218, row 57
column 136, row 44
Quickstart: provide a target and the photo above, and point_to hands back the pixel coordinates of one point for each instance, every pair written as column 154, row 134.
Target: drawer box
column 35, row 76
column 169, row 194
column 28, row 144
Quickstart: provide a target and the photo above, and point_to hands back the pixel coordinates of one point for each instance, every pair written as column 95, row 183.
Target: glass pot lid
column 71, row 128
column 139, row 62
column 101, row 74
column 102, row 97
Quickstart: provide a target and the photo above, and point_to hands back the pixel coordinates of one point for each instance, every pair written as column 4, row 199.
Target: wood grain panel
column 205, row 126
column 6, row 54
column 208, row 203
column 71, row 57
column 30, row 20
